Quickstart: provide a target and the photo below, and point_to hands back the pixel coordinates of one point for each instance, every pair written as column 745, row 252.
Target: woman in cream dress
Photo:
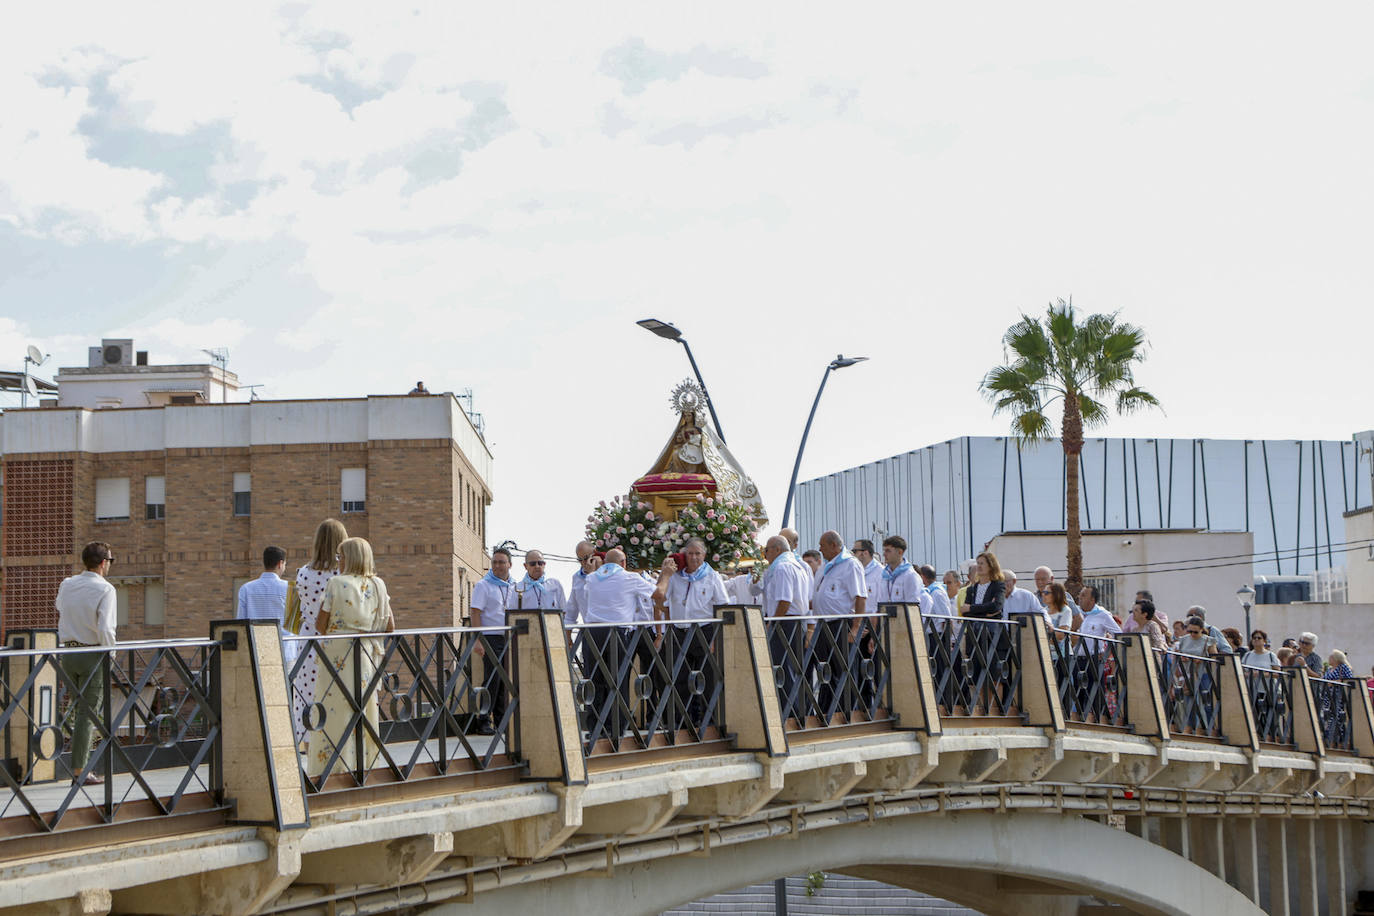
column 355, row 602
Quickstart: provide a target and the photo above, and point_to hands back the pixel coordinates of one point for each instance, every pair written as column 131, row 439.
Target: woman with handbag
column 355, row 603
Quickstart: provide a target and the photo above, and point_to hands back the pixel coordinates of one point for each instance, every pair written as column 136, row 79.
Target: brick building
column 189, row 496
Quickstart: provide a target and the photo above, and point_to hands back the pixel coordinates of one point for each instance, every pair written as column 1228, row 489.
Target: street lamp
column 1246, row 596
column 839, row 362
column 669, row 332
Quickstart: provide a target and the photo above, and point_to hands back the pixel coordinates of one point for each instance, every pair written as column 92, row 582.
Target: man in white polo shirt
column 537, row 590
column 492, row 596
column 873, row 570
column 840, row 589
column 614, row 598
column 897, row 582
column 692, row 596
column 587, row 563
column 1020, row 600
column 786, row 586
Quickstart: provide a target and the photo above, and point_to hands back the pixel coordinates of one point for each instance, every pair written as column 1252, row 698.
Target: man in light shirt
column 786, row 587
column 1095, row 620
column 614, row 599
column 815, row 561
column 897, row 581
column 692, row 595
column 1020, row 600
column 537, row 591
column 264, row 598
column 86, row 612
column 492, row 596
column 840, row 589
column 587, row 563
column 934, row 594
column 873, row 570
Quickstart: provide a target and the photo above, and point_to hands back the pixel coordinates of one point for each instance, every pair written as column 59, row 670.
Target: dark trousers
column 696, row 678
column 494, row 662
column 651, row 681
column 786, row 643
column 603, row 653
column 828, row 666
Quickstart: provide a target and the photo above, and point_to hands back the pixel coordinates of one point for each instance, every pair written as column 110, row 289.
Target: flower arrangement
column 727, row 526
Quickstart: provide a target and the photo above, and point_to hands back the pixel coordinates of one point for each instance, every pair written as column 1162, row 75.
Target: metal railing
column 1192, row 693
column 144, row 715
column 647, row 684
column 410, row 704
column 976, row 665
column 1091, row 674
column 1271, row 696
column 831, row 670
column 1335, row 705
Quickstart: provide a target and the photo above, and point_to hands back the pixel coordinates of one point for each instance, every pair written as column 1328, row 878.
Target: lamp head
column 1246, row 596
column 661, row 328
column 844, row 362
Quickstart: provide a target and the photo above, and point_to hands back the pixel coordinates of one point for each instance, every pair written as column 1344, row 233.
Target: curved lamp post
column 1246, row 596
column 839, row 362
column 669, row 332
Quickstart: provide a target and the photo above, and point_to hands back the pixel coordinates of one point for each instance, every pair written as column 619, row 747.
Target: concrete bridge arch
column 1019, row 862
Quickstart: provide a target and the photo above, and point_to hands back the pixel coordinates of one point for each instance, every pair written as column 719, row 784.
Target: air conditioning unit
column 111, row 353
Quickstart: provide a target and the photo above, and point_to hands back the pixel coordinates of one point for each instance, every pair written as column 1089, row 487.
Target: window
column 154, row 605
column 353, row 485
column 1106, row 590
column 243, row 493
column 112, row 499
column 122, row 605
column 155, row 497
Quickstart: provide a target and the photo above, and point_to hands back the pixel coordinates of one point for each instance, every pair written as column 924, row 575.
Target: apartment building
column 190, row 494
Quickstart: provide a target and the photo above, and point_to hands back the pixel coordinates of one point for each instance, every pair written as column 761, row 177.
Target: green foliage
column 814, row 882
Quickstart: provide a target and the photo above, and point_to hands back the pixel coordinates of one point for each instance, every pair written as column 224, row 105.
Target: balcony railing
column 831, row 670
column 411, row 704
column 1335, row 704
column 147, row 715
column 1271, row 695
column 976, row 665
column 644, row 685
column 1091, row 674
column 1192, row 693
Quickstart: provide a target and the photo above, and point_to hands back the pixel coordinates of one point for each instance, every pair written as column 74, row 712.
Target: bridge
column 999, row 764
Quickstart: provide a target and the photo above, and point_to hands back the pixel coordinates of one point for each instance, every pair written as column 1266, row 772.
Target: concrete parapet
column 1144, row 694
column 1039, row 687
column 1307, row 727
column 1237, row 712
column 913, row 683
column 550, row 740
column 753, row 713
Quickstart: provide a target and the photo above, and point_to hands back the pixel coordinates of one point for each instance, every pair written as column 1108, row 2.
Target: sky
column 351, row 197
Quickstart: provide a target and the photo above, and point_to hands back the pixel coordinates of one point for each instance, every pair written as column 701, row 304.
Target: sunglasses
column 534, row 562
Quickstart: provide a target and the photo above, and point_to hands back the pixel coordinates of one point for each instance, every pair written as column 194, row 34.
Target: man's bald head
column 776, row 545
column 615, row 555
column 584, row 550
column 831, row 545
column 793, row 539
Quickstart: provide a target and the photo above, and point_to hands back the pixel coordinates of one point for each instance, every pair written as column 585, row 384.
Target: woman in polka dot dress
column 310, row 585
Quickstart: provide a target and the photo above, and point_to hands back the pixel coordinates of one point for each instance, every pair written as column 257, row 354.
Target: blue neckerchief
column 537, row 584
column 871, row 563
column 697, row 576
column 930, row 589
column 890, row 575
column 842, row 555
column 606, row 570
column 504, row 583
column 580, row 574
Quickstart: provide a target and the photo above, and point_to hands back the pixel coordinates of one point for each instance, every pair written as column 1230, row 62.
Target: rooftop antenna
column 38, row 358
column 474, row 417
column 253, row 391
column 220, row 357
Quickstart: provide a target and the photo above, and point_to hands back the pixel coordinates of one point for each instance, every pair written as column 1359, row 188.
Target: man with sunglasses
column 86, row 615
column 536, row 590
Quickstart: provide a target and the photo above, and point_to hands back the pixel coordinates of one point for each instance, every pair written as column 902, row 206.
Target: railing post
column 753, row 713
column 1307, row 727
column 1237, row 712
column 1144, row 695
column 913, row 683
column 33, row 760
column 261, row 768
column 1039, row 688
column 1361, row 718
column 550, row 738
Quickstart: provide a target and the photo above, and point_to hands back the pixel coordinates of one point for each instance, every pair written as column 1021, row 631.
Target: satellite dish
column 30, row 386
column 36, row 356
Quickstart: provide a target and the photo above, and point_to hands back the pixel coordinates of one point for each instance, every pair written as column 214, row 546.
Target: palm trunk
column 1071, row 437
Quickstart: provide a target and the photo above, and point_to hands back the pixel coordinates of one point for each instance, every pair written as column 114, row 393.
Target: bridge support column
column 1280, row 897
column 234, row 891
column 1304, row 839
column 402, row 861
column 1334, row 851
column 1207, row 845
column 1174, row 836
column 1244, row 842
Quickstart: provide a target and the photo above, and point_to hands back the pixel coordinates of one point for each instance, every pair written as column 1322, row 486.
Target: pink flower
column 710, row 535
column 648, row 516
column 701, row 527
column 710, row 513
column 634, row 540
column 620, row 529
column 715, row 558
column 601, row 542
column 639, row 527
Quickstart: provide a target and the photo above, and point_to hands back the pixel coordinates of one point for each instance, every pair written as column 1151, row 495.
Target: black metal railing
column 1335, row 705
column 404, row 705
column 1271, row 695
column 1192, row 693
column 145, row 717
column 831, row 670
column 1091, row 674
column 647, row 684
column 976, row 665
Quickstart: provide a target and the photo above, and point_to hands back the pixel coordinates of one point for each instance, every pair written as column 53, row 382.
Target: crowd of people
column 801, row 590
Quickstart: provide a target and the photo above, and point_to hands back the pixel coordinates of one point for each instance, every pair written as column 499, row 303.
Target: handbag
column 292, row 620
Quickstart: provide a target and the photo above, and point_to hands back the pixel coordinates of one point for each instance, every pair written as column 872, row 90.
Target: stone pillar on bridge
column 1361, row 718
column 753, row 712
column 550, row 739
column 1144, row 696
column 33, row 739
column 1307, row 728
column 1237, row 713
column 1039, row 686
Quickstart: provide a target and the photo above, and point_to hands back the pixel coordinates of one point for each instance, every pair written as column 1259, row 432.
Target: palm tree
column 1086, row 364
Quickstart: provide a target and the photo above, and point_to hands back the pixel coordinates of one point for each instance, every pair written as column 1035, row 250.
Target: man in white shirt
column 1095, row 620
column 86, row 616
column 1020, row 600
column 934, row 595
column 492, row 596
column 815, row 561
column 873, row 570
column 897, row 581
column 536, row 590
column 840, row 589
column 786, row 587
column 587, row 563
column 264, row 598
column 614, row 599
column 692, row 596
